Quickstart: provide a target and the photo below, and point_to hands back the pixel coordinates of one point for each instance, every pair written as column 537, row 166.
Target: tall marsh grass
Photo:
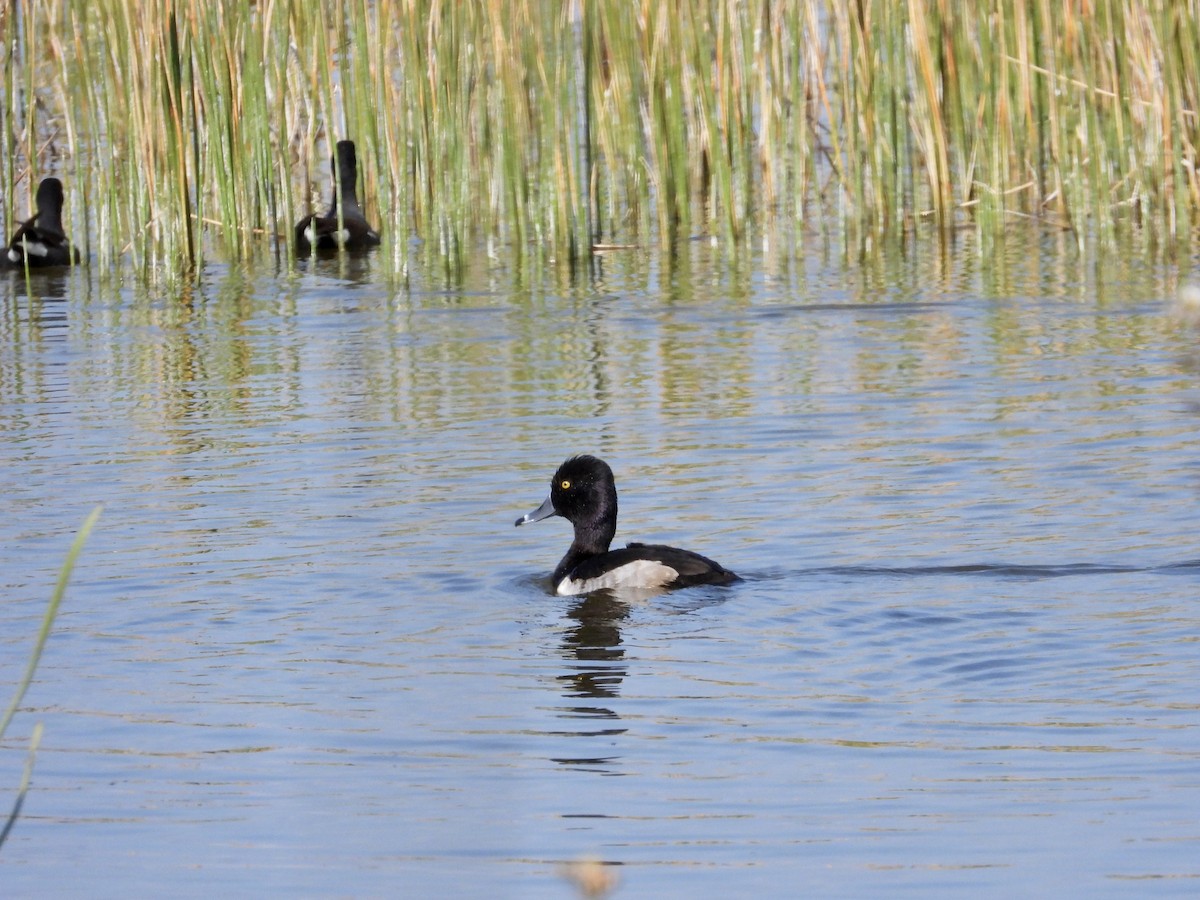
column 186, row 129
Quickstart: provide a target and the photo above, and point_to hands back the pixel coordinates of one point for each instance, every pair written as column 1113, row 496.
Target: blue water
column 305, row 653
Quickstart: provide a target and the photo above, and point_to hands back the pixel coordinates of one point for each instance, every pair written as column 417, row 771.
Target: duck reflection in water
column 593, row 645
column 595, row 642
column 50, row 285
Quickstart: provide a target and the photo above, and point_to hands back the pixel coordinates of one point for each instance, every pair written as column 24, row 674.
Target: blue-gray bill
column 545, row 511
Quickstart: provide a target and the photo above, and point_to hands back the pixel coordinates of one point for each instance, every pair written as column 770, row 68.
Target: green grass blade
column 35, row 741
column 60, row 588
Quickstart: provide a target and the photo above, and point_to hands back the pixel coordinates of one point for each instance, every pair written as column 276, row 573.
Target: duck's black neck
column 592, row 537
column 49, row 211
column 345, row 172
column 50, row 221
column 348, row 195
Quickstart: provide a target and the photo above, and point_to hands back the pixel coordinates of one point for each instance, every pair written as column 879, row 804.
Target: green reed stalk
column 8, row 103
column 35, row 741
column 855, row 56
column 35, row 656
column 60, row 589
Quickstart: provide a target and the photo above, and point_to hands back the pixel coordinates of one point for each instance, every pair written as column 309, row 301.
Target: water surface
column 306, row 653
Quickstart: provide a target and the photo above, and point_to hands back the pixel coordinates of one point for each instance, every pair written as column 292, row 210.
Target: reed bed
column 190, row 129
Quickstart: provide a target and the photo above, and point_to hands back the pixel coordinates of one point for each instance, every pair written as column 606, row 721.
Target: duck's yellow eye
column 565, row 485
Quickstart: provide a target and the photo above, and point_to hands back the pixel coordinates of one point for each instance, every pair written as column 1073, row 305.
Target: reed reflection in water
column 306, row 651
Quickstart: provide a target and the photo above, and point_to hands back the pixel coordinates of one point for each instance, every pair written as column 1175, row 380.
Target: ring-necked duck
column 583, row 492
column 323, row 232
column 41, row 242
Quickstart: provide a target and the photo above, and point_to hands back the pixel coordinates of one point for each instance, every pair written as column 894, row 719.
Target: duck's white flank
column 641, row 573
column 31, row 248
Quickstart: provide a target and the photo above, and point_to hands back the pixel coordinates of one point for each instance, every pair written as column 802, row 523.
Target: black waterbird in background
column 41, row 242
column 326, row 232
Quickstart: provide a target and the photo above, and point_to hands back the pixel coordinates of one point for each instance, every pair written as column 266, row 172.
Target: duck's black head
column 50, row 205
column 584, row 493
column 583, row 490
column 50, row 196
